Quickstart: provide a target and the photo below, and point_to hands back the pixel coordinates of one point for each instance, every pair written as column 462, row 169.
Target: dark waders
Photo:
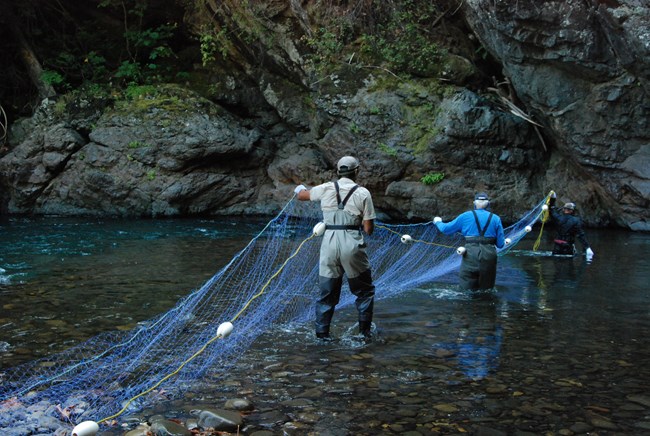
column 343, row 250
column 478, row 269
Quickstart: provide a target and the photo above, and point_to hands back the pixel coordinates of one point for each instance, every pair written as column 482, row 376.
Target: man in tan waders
column 347, row 209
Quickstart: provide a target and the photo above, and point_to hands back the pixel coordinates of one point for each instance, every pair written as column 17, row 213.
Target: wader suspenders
column 347, row 197
column 482, row 231
column 341, row 207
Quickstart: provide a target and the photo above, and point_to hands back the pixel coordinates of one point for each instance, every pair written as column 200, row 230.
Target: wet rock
column 312, row 393
column 295, row 428
column 140, row 430
column 220, row 420
column 488, row 431
column 644, row 425
column 446, row 408
column 299, row 402
column 496, row 389
column 309, row 418
column 601, row 422
column 164, row 427
column 239, row 404
column 192, row 424
column 271, row 417
column 639, row 399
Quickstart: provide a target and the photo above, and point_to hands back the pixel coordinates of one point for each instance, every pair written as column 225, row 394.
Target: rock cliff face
column 570, row 113
column 583, row 69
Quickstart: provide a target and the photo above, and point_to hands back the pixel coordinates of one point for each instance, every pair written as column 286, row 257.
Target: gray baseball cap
column 347, row 164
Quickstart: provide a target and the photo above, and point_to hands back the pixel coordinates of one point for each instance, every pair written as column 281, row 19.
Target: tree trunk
column 27, row 55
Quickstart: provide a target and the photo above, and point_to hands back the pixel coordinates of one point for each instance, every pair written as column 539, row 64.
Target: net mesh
column 273, row 280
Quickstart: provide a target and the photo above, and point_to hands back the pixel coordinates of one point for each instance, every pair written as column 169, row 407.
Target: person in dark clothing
column 568, row 227
column 347, row 210
column 483, row 233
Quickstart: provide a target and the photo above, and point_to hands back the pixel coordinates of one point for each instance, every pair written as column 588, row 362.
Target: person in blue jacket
column 483, row 234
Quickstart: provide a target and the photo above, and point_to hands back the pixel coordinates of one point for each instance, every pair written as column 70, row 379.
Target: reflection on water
column 558, row 331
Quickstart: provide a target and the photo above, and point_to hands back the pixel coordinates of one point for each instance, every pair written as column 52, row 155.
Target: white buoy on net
column 461, row 251
column 224, row 329
column 406, row 239
column 528, row 229
column 319, row 229
column 508, row 241
column 545, row 207
column 86, row 428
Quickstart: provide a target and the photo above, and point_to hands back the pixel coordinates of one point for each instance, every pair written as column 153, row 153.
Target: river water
column 560, row 347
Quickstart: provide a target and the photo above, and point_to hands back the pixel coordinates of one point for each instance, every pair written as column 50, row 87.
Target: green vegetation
column 326, row 46
column 164, row 101
column 213, row 43
column 401, row 39
column 95, row 54
column 52, row 78
column 137, row 144
column 385, row 148
column 134, row 92
column 432, row 178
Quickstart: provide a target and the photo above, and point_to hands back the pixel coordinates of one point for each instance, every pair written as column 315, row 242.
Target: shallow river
column 560, row 347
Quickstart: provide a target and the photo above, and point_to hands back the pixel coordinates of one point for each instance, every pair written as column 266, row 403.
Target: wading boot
column 364, row 329
column 324, row 336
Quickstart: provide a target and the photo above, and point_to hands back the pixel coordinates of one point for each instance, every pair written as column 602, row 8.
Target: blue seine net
column 272, row 281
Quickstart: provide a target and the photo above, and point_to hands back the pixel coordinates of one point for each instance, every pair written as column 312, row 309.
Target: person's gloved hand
column 299, row 188
column 589, row 252
column 437, row 220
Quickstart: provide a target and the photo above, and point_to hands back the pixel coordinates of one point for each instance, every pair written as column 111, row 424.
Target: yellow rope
column 417, row 240
column 214, row 338
column 248, row 303
column 545, row 215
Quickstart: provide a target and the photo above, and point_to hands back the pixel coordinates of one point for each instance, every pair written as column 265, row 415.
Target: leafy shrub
column 432, row 178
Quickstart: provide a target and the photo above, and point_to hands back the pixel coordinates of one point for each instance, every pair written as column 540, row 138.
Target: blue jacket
column 466, row 224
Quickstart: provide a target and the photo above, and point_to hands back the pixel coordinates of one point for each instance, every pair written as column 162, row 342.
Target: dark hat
column 481, row 196
column 570, row 206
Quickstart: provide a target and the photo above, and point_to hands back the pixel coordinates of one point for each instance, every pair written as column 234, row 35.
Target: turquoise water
column 557, row 337
column 65, row 280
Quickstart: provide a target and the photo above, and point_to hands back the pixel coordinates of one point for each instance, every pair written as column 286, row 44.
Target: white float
column 461, row 251
column 545, row 207
column 319, row 229
column 224, row 329
column 508, row 241
column 406, row 239
column 528, row 229
column 86, row 428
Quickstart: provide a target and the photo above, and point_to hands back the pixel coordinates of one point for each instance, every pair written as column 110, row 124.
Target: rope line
column 269, row 281
column 148, row 327
column 544, row 216
column 417, row 240
column 214, row 338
